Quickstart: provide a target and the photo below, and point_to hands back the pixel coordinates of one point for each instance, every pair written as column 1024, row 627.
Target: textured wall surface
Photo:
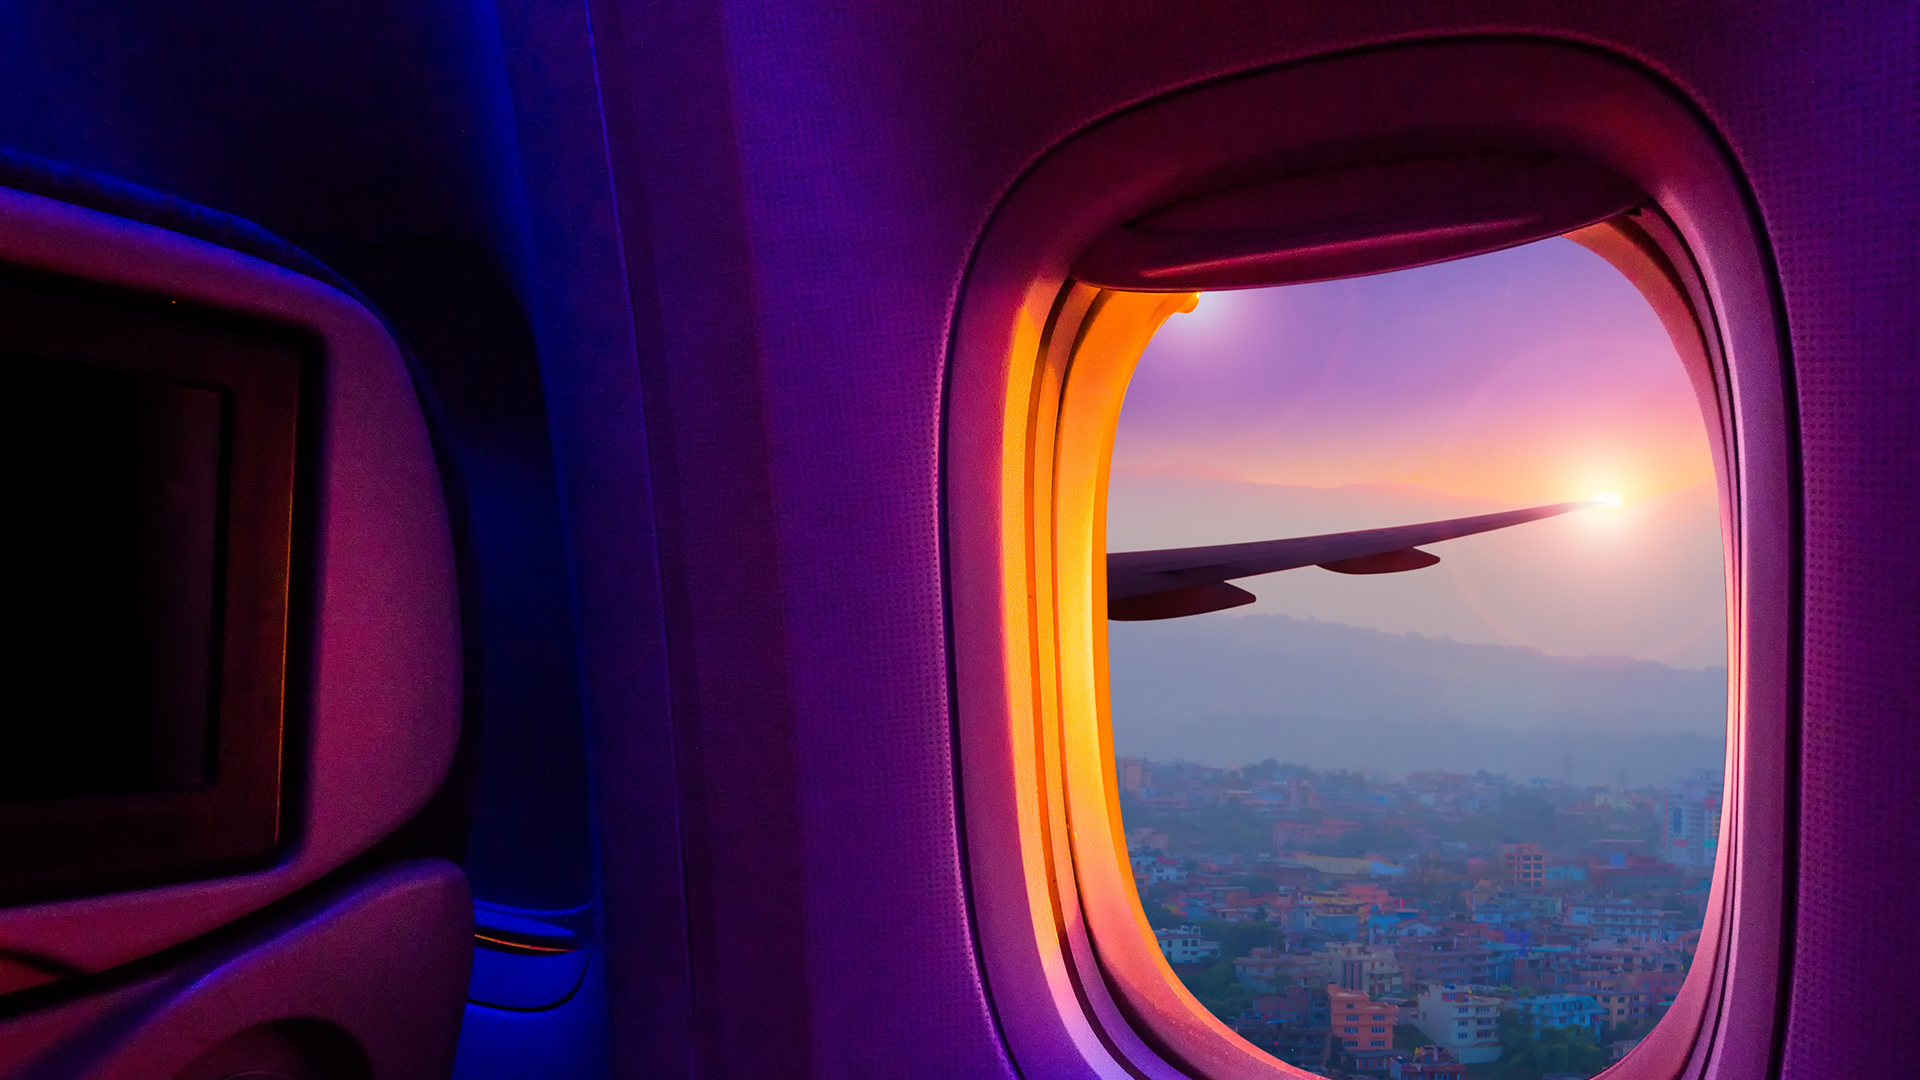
column 740, row 231
column 813, row 177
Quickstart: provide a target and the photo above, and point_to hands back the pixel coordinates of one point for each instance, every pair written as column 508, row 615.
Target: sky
column 1533, row 375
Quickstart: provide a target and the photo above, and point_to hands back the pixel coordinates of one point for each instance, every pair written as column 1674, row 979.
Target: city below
column 1438, row 925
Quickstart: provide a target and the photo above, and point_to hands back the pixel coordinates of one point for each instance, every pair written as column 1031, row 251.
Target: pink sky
column 1531, row 375
column 1527, row 376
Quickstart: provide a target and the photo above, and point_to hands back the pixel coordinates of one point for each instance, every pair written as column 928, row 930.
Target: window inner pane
column 1479, row 801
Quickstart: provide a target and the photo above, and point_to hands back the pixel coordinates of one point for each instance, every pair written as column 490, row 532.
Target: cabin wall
column 813, row 178
column 739, row 233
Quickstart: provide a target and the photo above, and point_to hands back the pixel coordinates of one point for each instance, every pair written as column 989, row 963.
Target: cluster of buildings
column 1316, row 809
column 1591, row 926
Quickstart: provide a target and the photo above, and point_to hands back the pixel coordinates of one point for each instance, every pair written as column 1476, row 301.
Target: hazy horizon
column 1224, row 691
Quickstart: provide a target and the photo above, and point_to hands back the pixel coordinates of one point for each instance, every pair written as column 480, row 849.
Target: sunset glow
column 1528, row 376
column 1534, row 375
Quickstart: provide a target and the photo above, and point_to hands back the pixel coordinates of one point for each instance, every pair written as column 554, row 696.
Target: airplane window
column 1465, row 758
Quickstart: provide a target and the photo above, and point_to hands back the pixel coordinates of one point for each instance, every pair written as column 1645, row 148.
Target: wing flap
column 1179, row 603
column 1390, row 562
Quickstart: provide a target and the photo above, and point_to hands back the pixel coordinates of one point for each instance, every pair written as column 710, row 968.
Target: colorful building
column 1616, row 918
column 1444, row 958
column 1427, row 1063
column 1526, row 865
column 1371, row 969
column 1185, row 945
column 1358, row 1022
column 1690, row 821
column 1459, row 1020
column 1563, row 1011
column 1291, row 1025
column 1270, row 970
column 1622, row 998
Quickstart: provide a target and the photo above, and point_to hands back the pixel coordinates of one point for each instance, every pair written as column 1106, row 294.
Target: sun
column 1609, row 499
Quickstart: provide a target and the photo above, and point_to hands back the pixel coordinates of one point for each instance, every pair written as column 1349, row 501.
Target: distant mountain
column 1228, row 690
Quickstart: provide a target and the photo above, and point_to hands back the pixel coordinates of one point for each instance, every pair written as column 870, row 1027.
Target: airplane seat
column 51, row 179
column 279, row 648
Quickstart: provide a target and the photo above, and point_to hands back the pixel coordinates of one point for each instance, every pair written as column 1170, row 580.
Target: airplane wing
column 1174, row 582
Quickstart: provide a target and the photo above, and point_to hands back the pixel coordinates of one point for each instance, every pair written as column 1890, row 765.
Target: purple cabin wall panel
column 574, row 280
column 676, row 173
column 813, row 178
column 1842, row 194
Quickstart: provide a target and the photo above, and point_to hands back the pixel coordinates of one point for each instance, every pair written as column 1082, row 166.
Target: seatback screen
column 150, row 454
column 116, row 493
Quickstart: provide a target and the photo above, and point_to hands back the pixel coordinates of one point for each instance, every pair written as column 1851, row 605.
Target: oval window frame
column 1039, row 364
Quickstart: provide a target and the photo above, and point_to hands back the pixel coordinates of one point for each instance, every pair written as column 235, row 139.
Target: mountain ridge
column 1232, row 689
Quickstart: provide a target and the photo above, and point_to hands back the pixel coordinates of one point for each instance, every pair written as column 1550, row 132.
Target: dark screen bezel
column 87, row 845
